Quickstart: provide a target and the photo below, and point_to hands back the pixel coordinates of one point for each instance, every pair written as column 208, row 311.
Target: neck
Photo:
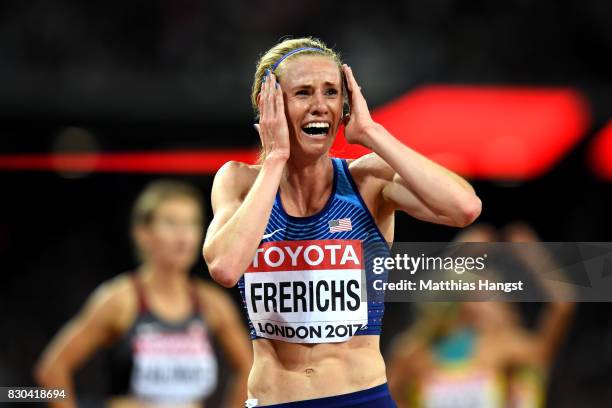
column 304, row 171
column 165, row 279
column 306, row 182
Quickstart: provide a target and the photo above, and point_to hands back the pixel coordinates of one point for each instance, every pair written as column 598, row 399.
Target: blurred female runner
column 298, row 229
column 157, row 320
column 478, row 354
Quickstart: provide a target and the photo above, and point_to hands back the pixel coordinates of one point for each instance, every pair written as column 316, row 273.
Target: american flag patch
column 343, row 224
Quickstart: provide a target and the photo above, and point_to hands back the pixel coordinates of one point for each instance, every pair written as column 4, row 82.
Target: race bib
column 471, row 392
column 173, row 367
column 307, row 291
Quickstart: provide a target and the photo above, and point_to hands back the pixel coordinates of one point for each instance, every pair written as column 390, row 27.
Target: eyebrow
column 310, row 85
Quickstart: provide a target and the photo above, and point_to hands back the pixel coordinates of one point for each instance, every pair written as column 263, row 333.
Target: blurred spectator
column 477, row 354
column 156, row 320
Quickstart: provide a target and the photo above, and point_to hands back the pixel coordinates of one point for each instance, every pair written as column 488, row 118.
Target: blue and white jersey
column 311, row 279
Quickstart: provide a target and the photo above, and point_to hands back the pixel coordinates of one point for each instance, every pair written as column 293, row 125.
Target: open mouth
column 316, row 129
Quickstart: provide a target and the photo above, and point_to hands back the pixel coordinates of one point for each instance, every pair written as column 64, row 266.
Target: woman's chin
column 315, row 144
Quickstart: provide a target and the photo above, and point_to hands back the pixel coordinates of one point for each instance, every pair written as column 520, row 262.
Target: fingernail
column 277, row 85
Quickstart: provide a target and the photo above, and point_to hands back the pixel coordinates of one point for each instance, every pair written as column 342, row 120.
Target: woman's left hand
column 358, row 121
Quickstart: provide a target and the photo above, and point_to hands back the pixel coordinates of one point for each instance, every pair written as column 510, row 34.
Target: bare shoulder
column 408, row 344
column 112, row 292
column 208, row 289
column 217, row 306
column 212, row 296
column 235, row 168
column 370, row 166
column 411, row 350
column 237, row 175
column 114, row 300
column 371, row 174
column 232, row 183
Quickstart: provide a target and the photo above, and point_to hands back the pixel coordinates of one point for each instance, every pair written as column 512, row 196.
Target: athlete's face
column 312, row 92
column 174, row 235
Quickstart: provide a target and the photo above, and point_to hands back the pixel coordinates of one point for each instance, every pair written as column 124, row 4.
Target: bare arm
column 240, row 221
column 555, row 318
column 404, row 366
column 77, row 341
column 413, row 183
column 238, row 224
column 233, row 338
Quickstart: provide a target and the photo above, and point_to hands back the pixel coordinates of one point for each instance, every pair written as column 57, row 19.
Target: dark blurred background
column 175, row 75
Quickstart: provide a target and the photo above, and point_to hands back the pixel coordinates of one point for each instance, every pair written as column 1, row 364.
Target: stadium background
column 174, row 76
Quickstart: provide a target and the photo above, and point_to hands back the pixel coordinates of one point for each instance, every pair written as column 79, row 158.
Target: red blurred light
column 507, row 133
column 504, row 133
column 600, row 153
column 195, row 162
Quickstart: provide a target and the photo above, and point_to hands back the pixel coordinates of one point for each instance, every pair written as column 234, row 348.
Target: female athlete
column 157, row 321
column 479, row 354
column 297, row 230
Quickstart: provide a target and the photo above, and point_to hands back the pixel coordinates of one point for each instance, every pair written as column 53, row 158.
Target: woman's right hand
column 243, row 196
column 273, row 128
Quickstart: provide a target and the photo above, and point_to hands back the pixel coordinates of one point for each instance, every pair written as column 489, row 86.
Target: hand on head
column 272, row 128
column 358, row 120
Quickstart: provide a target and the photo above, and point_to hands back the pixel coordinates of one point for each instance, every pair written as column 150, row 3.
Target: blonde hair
column 274, row 54
column 153, row 196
